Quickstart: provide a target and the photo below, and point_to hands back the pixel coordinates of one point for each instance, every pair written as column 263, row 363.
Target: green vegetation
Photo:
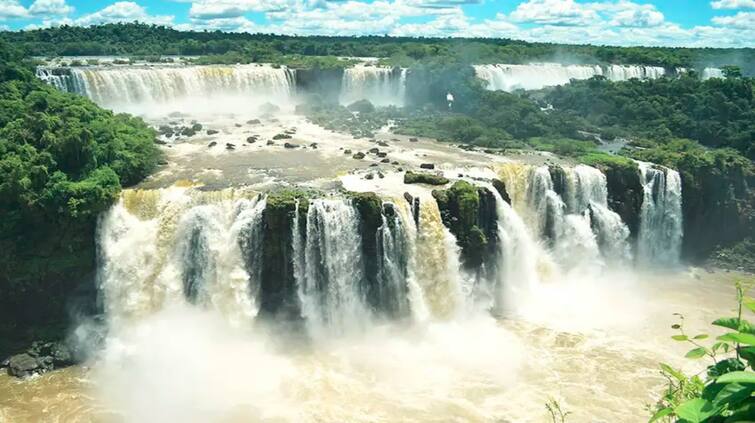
column 424, row 178
column 727, row 391
column 63, row 160
column 151, row 40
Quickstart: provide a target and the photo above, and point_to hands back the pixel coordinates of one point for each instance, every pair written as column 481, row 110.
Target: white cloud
column 123, row 11
column 11, row 9
column 630, row 14
column 733, row 4
column 554, row 12
column 743, row 20
column 50, row 7
column 220, row 9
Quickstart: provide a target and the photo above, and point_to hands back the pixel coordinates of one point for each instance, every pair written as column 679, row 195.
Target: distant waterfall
column 660, row 235
column 330, row 288
column 163, row 246
column 382, row 86
column 535, row 76
column 116, row 85
column 709, row 73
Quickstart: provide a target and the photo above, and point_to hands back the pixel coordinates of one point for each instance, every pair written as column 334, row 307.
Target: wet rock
column 23, row 365
column 382, row 154
column 380, row 175
column 385, row 161
column 501, row 188
column 313, row 145
column 229, row 146
column 212, row 132
column 382, row 143
column 282, row 136
column 212, row 144
column 158, row 141
column 162, row 162
column 395, row 163
column 358, row 156
column 374, row 150
column 427, row 166
column 196, row 127
column 253, row 122
column 251, row 140
column 424, row 178
column 290, row 145
column 412, row 139
column 369, row 176
column 270, row 142
column 347, row 151
column 238, row 125
column 164, row 129
column 188, row 132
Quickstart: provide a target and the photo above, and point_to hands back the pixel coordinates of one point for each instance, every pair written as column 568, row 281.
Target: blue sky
column 714, row 23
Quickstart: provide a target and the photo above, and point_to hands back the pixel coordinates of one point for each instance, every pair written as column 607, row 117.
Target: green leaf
column 696, row 353
column 734, row 323
column 745, row 413
column 749, row 302
column 737, row 377
column 732, row 393
column 695, row 410
column 680, row 338
column 701, row 336
column 663, row 412
column 741, row 338
column 674, row 373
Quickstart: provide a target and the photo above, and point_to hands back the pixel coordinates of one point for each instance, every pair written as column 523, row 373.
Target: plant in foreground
column 726, row 392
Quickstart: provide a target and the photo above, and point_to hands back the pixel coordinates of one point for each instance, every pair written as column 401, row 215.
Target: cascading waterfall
column 709, row 73
column 588, row 195
column 330, row 286
column 116, row 85
column 660, row 234
column 382, row 86
column 535, row 76
column 163, row 246
column 438, row 271
column 393, row 256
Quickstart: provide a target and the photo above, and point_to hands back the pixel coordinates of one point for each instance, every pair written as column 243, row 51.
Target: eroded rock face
column 41, row 357
column 469, row 212
column 625, row 193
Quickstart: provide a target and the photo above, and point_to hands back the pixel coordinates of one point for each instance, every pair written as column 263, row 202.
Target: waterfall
column 438, row 270
column 709, row 73
column 660, row 235
column 163, row 246
column 382, row 86
column 332, row 298
column 588, row 194
column 535, row 76
column 393, row 257
column 118, row 85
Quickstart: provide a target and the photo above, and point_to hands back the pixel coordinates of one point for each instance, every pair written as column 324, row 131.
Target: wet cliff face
column 369, row 207
column 625, row 193
column 718, row 204
column 278, row 291
column 325, row 83
column 469, row 212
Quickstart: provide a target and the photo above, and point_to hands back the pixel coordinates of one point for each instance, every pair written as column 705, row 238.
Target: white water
column 332, row 298
column 709, row 73
column 136, row 88
column 660, row 234
column 535, row 76
column 382, row 86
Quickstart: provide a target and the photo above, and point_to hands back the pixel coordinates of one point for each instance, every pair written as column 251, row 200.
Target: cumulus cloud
column 223, row 9
column 50, row 7
column 743, row 20
column 12, row 9
column 553, row 12
column 733, row 4
column 123, row 11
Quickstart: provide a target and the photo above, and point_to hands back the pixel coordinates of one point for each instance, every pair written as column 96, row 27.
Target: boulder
column 281, row 137
column 196, row 127
column 212, row 132
column 229, row 146
column 427, row 166
column 23, row 365
column 382, row 143
column 382, row 154
column 253, row 122
column 347, row 151
column 385, row 160
column 412, row 139
column 374, row 150
column 251, row 140
column 359, row 155
column 212, row 144
column 270, row 142
column 290, row 145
